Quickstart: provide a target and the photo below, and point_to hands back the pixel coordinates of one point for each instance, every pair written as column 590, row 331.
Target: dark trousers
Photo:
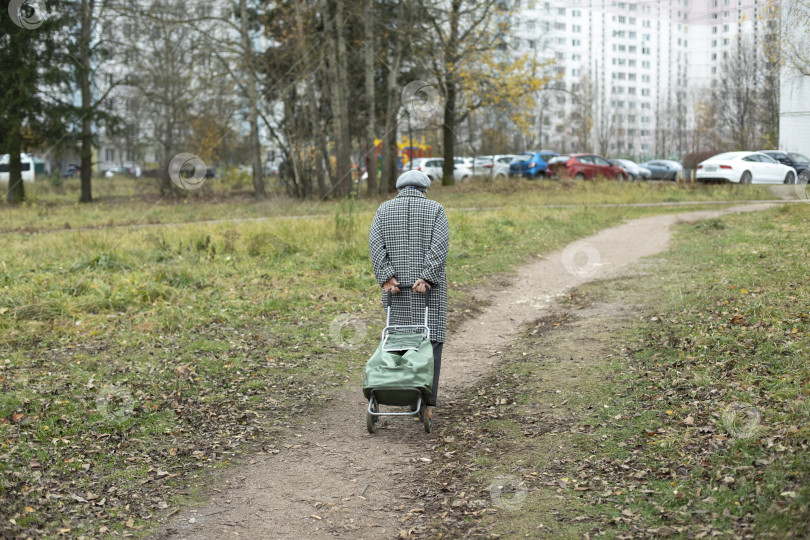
column 437, row 367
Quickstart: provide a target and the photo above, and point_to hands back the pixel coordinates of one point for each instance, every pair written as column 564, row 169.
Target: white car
column 496, row 166
column 644, row 172
column 745, row 168
column 632, row 169
column 464, row 161
column 432, row 167
column 27, row 164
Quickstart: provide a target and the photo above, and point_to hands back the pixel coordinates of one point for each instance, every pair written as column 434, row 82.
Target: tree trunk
column 449, row 134
column 16, row 188
column 317, row 127
column 340, row 106
column 166, row 184
column 253, row 103
column 393, row 102
column 371, row 155
column 450, row 86
column 86, row 151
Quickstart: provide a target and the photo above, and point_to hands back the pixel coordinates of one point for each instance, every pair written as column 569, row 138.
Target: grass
column 686, row 414
column 127, row 201
column 135, row 360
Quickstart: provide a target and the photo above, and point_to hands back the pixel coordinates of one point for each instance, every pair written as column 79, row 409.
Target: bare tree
column 737, row 92
column 796, row 22
column 581, row 120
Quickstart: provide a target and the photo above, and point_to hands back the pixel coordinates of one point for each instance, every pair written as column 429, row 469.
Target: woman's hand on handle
column 391, row 286
column 421, row 286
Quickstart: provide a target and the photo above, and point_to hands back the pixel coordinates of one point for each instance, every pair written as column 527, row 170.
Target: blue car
column 531, row 164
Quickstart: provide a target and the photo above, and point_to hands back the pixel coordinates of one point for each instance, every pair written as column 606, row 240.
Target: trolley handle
column 388, row 296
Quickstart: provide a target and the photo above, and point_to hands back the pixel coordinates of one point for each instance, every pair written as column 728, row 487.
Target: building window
column 109, row 153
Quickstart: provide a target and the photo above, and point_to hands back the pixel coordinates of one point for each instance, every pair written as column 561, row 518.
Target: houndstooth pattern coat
column 409, row 239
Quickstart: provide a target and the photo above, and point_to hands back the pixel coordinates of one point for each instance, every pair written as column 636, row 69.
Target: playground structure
column 407, row 149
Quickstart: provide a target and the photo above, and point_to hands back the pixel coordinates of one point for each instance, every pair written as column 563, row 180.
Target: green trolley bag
column 400, row 372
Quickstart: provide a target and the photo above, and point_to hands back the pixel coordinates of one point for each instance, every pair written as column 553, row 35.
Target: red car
column 584, row 166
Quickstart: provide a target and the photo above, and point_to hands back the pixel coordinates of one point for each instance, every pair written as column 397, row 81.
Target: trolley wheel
column 428, row 419
column 370, row 418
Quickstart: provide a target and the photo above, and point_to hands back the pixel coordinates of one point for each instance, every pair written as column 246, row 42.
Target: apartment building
column 794, row 103
column 645, row 62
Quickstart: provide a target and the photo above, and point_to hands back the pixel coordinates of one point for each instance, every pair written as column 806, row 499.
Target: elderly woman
column 409, row 240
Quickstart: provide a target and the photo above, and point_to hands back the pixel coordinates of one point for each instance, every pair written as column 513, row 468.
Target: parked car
column 432, row 167
column 27, row 166
column 745, row 168
column 644, row 172
column 496, row 166
column 482, row 165
column 127, row 169
column 663, row 169
column 464, row 162
column 584, row 166
column 792, row 159
column 71, row 170
column 631, row 168
column 531, row 164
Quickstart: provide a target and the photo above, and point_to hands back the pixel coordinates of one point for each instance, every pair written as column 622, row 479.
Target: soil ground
column 333, row 479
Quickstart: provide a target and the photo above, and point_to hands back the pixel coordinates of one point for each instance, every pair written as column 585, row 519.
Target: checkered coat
column 409, row 239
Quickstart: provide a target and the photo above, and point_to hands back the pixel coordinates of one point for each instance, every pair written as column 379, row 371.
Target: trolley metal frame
column 402, row 337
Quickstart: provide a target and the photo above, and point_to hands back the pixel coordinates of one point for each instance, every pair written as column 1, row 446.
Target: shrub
column 691, row 160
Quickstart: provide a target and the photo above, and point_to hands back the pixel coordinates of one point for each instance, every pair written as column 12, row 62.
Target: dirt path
column 333, row 479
